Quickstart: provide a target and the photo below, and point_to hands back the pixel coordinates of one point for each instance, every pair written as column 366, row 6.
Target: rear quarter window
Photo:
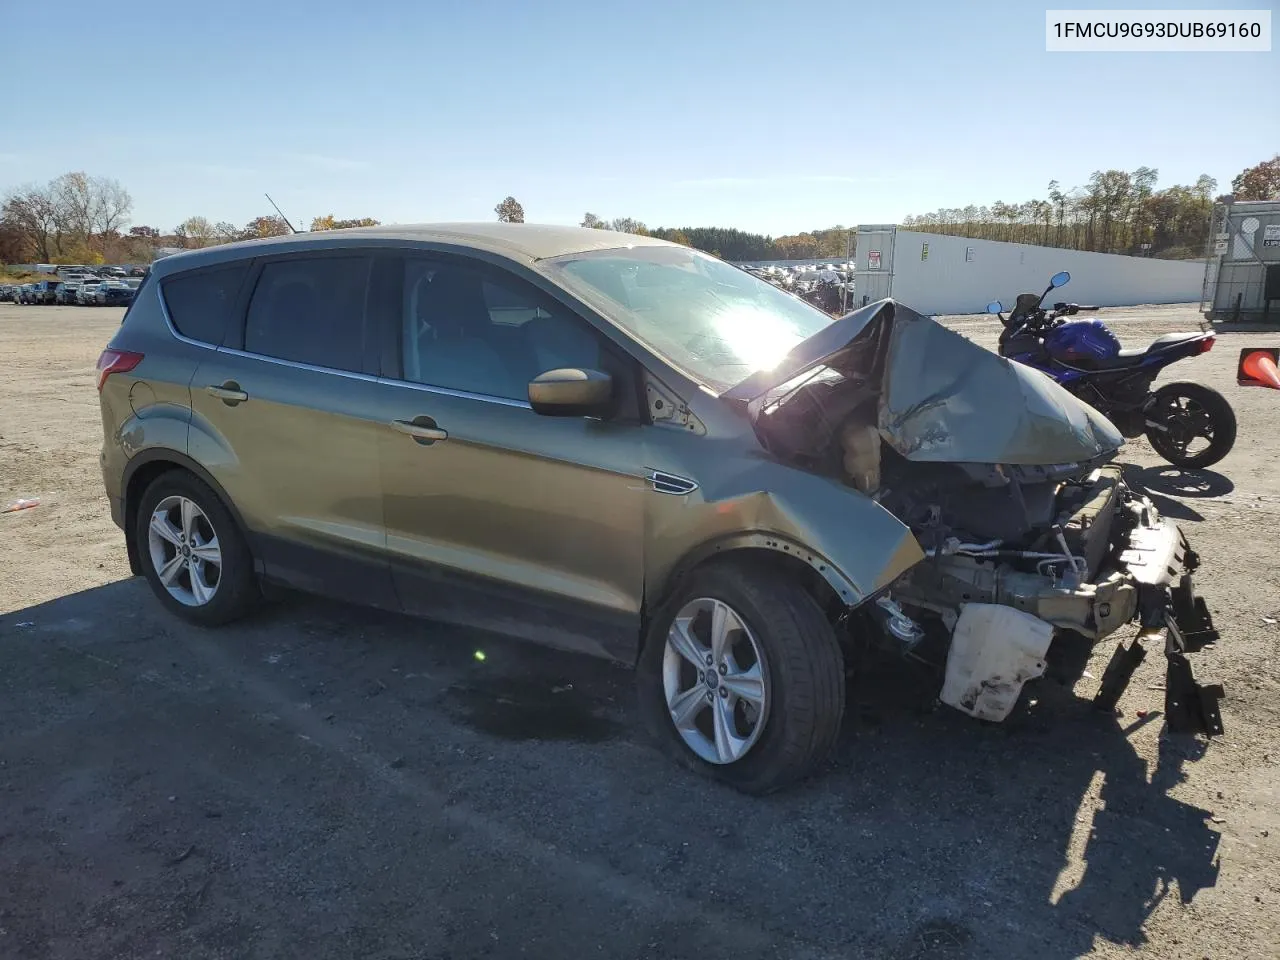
column 200, row 304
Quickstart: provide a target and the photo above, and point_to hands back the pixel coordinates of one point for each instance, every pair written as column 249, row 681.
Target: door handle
column 425, row 433
column 228, row 392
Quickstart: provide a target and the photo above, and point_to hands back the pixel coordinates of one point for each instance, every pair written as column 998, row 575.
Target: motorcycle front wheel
column 1190, row 425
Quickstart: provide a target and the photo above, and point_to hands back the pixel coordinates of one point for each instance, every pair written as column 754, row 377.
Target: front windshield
column 718, row 323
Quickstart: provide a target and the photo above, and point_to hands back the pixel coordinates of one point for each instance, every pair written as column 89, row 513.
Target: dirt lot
column 323, row 781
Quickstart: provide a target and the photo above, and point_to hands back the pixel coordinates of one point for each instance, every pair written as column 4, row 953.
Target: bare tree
column 591, row 220
column 73, row 197
column 628, row 225
column 509, row 211
column 197, row 232
column 90, row 205
column 111, row 205
column 34, row 211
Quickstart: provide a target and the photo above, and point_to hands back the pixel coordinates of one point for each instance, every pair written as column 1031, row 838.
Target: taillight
column 1207, row 344
column 115, row 361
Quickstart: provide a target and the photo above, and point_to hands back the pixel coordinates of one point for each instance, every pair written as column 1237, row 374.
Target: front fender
column 856, row 545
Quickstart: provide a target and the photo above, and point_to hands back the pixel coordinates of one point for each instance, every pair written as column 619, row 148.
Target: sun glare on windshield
column 758, row 338
column 707, row 317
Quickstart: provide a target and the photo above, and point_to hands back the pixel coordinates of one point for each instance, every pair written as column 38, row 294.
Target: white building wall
column 961, row 275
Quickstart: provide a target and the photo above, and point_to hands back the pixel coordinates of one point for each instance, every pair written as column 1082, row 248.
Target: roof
column 526, row 241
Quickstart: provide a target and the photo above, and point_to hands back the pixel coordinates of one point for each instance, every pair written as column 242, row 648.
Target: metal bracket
column 666, row 409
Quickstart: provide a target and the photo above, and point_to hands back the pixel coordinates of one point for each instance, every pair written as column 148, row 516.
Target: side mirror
column 1060, row 279
column 995, row 306
column 571, row 392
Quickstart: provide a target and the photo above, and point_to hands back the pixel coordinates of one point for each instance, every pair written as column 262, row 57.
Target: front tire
column 766, row 710
column 193, row 554
column 1200, row 425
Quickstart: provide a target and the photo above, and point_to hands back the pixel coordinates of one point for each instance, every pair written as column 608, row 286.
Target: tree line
column 78, row 218
column 727, row 242
column 1117, row 211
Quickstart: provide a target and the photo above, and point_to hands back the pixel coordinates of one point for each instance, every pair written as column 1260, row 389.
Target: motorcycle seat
column 1171, row 340
column 1132, row 357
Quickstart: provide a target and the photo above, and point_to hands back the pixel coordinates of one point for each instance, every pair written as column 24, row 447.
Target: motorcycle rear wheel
column 1199, row 425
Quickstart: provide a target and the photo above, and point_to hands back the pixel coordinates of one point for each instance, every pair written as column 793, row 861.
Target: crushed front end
column 1096, row 560
column 1006, row 482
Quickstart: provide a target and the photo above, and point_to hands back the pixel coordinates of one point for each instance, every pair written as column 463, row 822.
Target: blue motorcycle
column 1188, row 424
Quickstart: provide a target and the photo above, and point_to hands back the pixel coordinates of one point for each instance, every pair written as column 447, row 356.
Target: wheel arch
column 830, row 588
column 142, row 470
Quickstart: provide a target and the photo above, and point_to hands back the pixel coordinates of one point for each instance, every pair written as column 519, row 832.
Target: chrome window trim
column 297, row 365
column 459, row 394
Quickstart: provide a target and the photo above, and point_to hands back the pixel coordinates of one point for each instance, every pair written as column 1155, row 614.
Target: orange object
column 1260, row 367
column 21, row 504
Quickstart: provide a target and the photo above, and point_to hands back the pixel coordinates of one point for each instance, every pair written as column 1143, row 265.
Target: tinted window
column 310, row 311
column 200, row 304
column 486, row 334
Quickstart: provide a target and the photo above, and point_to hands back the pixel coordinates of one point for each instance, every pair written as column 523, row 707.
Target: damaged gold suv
column 621, row 446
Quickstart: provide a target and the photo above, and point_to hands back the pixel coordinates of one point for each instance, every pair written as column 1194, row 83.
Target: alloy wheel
column 715, row 681
column 1187, row 422
column 185, row 551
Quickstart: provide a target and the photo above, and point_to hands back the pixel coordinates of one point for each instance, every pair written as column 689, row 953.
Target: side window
column 484, row 333
column 310, row 311
column 200, row 304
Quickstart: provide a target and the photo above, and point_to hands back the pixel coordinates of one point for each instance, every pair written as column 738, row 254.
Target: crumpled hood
column 945, row 399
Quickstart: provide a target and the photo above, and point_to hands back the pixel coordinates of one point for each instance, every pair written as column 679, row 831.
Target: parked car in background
column 46, row 292
column 113, row 293
column 84, row 294
column 66, row 295
column 25, row 293
column 6, row 292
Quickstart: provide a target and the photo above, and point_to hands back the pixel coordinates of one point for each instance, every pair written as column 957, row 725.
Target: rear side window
column 310, row 311
column 200, row 304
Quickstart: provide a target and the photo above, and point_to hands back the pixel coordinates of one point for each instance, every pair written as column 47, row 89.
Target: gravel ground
column 325, row 781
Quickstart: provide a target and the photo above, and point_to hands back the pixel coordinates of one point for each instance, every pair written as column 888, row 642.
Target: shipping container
column 1242, row 261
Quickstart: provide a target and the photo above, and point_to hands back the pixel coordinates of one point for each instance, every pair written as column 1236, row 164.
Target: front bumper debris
column 1174, row 614
column 1139, row 570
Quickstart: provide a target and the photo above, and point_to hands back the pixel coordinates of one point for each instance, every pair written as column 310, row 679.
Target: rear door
column 286, row 418
column 496, row 516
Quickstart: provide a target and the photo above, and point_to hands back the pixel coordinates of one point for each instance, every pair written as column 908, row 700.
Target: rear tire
column 227, row 587
column 1191, row 410
column 801, row 670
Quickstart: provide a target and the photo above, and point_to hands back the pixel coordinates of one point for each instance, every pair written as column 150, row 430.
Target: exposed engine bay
column 1014, row 550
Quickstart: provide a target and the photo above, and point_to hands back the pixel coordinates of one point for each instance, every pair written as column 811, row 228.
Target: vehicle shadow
column 1179, row 482
column 1100, row 842
column 1168, row 486
column 930, row 835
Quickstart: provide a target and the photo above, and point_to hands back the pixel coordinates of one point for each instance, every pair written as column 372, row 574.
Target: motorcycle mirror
column 995, row 306
column 1060, row 279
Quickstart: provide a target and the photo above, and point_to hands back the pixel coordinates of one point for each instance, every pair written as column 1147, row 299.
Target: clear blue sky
column 762, row 115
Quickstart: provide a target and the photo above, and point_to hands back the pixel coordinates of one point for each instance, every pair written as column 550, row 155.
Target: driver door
column 496, row 516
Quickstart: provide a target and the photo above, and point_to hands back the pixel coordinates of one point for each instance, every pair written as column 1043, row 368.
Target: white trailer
column 941, row 274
